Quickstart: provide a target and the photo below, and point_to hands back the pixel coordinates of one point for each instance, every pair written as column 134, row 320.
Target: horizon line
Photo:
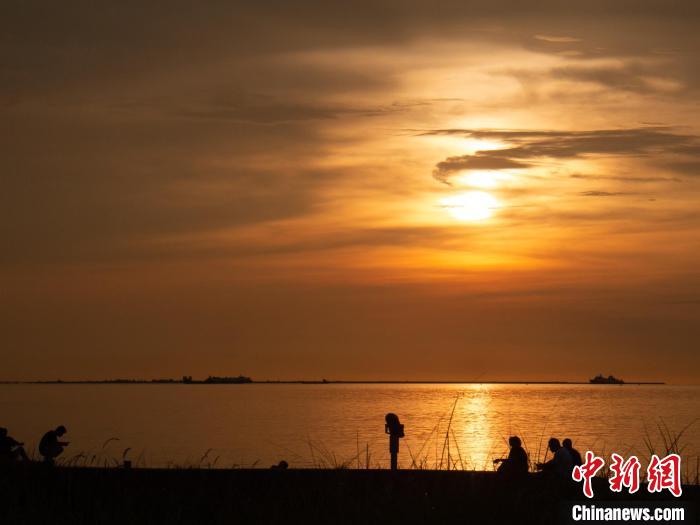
column 315, row 381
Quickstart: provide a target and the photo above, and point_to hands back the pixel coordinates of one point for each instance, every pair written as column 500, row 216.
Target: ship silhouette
column 610, row 380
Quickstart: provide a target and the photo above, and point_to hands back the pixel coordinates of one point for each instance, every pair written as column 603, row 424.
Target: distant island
column 187, row 380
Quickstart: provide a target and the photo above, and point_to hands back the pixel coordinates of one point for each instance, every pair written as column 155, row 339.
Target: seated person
column 561, row 464
column 516, row 464
column 10, row 449
column 575, row 454
column 50, row 447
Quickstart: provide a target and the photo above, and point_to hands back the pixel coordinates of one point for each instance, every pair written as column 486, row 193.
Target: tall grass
column 440, row 450
column 670, row 441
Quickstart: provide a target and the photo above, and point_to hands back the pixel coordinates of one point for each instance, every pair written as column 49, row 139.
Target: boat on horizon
column 610, row 380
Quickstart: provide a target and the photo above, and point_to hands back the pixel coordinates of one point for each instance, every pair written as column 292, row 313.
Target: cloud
column 568, row 144
column 274, row 111
column 690, row 167
column 451, row 165
column 623, row 178
column 557, row 39
column 528, row 145
column 631, row 77
column 264, row 114
column 602, row 193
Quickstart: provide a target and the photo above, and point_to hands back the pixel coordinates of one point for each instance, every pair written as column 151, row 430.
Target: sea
column 447, row 426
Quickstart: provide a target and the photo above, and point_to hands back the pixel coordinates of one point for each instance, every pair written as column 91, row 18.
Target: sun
column 470, row 206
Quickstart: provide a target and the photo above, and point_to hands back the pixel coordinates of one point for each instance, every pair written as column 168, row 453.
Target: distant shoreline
column 323, row 382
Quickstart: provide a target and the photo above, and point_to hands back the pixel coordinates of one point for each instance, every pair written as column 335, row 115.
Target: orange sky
column 388, row 191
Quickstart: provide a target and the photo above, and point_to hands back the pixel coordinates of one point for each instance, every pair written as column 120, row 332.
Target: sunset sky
column 359, row 190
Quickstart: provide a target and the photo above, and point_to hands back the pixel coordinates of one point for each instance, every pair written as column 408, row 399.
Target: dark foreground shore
column 116, row 496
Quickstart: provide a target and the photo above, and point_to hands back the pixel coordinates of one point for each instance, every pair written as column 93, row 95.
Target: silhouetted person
column 561, row 464
column 395, row 430
column 575, row 454
column 516, row 464
column 50, row 447
column 10, row 449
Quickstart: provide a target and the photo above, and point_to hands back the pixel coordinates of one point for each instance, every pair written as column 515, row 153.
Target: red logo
column 665, row 474
column 624, row 474
column 586, row 471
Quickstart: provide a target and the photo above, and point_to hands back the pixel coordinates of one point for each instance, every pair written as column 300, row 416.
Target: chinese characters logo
column 662, row 473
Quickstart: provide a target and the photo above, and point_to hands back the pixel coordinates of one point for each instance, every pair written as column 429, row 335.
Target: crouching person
column 50, row 447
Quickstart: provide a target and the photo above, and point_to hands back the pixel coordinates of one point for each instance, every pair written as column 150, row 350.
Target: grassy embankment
column 37, row 494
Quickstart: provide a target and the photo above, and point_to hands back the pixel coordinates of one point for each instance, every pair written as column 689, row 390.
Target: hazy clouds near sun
column 380, row 190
